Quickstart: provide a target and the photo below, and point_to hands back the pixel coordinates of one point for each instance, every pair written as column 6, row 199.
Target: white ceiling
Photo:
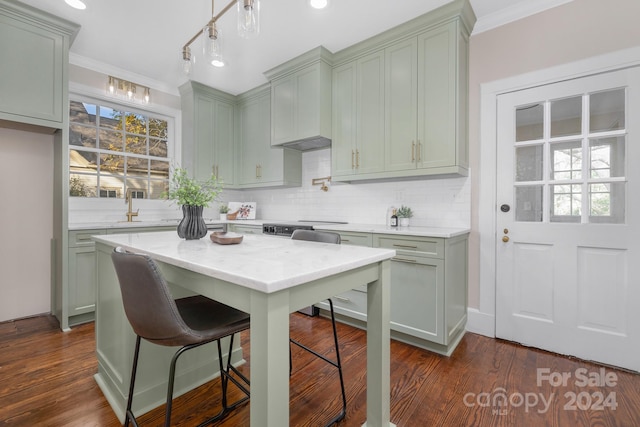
column 141, row 40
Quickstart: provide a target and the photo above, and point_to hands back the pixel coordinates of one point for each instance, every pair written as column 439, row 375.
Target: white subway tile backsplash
column 443, row 202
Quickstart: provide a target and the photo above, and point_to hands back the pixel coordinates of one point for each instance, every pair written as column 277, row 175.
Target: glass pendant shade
column 186, row 61
column 212, row 46
column 248, row 18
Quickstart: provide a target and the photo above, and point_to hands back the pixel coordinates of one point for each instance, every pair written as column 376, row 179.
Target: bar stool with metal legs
column 186, row 322
column 325, row 237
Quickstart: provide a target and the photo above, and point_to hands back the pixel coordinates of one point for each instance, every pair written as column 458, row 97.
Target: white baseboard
column 481, row 323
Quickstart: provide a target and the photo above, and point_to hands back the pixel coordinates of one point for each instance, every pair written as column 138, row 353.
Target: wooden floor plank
column 46, row 379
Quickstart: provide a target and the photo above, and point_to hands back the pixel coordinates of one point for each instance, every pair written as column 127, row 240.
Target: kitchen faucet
column 130, row 214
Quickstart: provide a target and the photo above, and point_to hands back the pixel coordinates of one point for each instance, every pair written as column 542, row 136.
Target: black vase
column 192, row 226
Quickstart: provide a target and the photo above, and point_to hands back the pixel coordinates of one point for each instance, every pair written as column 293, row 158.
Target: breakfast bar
column 267, row 277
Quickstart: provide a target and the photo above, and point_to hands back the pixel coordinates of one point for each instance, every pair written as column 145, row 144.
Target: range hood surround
column 301, row 101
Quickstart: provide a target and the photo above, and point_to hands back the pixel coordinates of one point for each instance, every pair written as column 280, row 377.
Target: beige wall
column 577, row 30
column 27, row 227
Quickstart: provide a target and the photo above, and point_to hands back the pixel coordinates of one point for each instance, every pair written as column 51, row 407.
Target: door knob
column 505, row 208
column 505, row 239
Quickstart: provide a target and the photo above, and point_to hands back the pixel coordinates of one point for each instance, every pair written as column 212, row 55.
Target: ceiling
column 141, row 40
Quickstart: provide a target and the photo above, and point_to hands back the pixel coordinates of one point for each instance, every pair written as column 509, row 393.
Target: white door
column 568, row 221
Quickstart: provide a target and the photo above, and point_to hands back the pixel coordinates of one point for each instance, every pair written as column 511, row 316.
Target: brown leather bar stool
column 186, row 322
column 324, row 237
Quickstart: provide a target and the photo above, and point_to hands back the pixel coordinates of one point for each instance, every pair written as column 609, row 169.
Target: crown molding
column 513, row 13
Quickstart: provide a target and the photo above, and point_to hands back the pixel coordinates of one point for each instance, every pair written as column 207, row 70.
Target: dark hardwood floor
column 46, row 379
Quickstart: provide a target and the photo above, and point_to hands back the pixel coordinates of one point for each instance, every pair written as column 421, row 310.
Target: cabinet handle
column 357, row 159
column 352, row 164
column 413, row 151
column 410, row 261
column 260, row 168
column 405, row 246
column 346, row 240
column 339, row 298
column 419, row 151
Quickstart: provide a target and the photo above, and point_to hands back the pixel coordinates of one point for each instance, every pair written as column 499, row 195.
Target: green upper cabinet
column 401, row 105
column 259, row 165
column 34, row 47
column 358, row 116
column 208, row 132
column 401, row 97
column 301, row 101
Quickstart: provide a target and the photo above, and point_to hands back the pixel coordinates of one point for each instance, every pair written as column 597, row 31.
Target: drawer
column 352, row 303
column 418, row 246
column 81, row 238
column 356, row 239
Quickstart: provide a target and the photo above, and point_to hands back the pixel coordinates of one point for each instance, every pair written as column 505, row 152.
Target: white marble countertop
column 443, row 232
column 133, row 224
column 264, row 263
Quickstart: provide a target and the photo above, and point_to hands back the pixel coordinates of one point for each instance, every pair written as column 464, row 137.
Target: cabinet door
column 259, row 163
column 417, row 297
column 401, row 101
column 307, row 102
column 32, row 70
column 82, row 280
column 344, row 120
column 204, row 137
column 369, row 156
column 437, row 103
column 283, row 123
column 223, row 137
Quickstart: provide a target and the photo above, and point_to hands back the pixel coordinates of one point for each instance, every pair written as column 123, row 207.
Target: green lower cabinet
column 428, row 290
column 81, row 287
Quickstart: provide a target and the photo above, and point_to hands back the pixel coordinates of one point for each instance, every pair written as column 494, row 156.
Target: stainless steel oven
column 287, row 228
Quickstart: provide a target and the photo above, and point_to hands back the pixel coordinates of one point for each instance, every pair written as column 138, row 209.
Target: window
column 113, row 151
column 571, row 153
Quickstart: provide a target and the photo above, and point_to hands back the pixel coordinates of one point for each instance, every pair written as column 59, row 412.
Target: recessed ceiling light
column 318, row 4
column 77, row 4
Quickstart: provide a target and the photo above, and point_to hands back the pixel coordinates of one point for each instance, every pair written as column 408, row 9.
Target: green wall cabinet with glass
column 428, row 289
column 301, row 98
column 208, row 126
column 259, row 165
column 34, row 48
column 411, row 106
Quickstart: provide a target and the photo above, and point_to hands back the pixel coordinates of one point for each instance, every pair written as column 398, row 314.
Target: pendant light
column 248, row 18
column 248, row 27
column 212, row 45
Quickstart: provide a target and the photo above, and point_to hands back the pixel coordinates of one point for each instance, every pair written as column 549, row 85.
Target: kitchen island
column 267, row 277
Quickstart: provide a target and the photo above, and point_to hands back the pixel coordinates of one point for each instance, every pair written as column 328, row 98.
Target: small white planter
column 223, row 216
column 403, row 222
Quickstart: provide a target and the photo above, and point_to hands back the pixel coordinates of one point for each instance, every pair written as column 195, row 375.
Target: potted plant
column 193, row 196
column 403, row 214
column 224, row 210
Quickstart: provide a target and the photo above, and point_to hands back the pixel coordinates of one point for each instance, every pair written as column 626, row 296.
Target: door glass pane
column 529, row 203
column 529, row 122
column 566, row 160
column 606, row 157
column 529, row 163
column 606, row 202
column 566, row 202
column 566, row 116
column 606, row 110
